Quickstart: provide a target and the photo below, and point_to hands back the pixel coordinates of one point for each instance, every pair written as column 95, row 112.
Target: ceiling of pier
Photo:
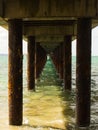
column 49, row 8
column 48, row 20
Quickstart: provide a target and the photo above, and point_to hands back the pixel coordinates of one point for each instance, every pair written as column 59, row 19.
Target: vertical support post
column 61, row 60
column 53, row 58
column 41, row 58
column 15, row 72
column 56, row 59
column 83, row 72
column 57, row 54
column 62, row 70
column 37, row 61
column 67, row 62
column 31, row 63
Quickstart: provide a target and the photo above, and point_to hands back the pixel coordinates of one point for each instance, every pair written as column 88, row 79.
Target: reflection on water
column 49, row 108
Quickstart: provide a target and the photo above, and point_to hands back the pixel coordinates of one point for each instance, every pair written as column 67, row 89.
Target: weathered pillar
column 41, row 58
column 15, row 72
column 31, row 63
column 83, row 72
column 55, row 58
column 57, row 54
column 61, row 60
column 67, row 62
column 62, row 74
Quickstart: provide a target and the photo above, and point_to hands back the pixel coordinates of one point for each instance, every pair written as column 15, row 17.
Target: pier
column 49, row 26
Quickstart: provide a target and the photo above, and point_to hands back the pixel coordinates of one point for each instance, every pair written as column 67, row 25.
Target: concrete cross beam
column 50, row 8
column 49, row 46
column 50, row 39
column 49, row 30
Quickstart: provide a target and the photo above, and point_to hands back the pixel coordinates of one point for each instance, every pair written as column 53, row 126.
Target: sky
column 94, row 40
column 4, row 42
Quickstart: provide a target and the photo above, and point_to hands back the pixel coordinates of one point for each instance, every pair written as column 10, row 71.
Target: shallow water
column 49, row 108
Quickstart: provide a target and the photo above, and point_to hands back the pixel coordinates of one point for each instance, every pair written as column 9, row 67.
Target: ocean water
column 49, row 108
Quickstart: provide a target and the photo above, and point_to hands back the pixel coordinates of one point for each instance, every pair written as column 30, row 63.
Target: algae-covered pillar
column 83, row 72
column 67, row 62
column 31, row 63
column 15, row 72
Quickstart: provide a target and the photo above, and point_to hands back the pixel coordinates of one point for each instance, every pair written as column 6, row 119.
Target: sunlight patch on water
column 44, row 108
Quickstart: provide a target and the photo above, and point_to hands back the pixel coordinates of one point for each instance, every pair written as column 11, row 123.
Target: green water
column 49, row 108
column 47, row 102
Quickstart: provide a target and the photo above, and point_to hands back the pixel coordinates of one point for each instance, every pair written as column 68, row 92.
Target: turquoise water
column 45, row 96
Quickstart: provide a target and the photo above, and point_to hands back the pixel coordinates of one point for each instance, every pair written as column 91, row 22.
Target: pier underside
column 49, row 26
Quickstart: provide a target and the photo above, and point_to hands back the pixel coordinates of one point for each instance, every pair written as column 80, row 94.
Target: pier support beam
column 55, row 56
column 67, row 62
column 41, row 58
column 15, row 72
column 61, row 61
column 83, row 72
column 31, row 63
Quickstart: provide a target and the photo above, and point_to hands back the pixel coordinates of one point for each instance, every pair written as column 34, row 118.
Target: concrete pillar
column 31, row 63
column 62, row 70
column 42, row 64
column 41, row 58
column 15, row 72
column 83, row 72
column 67, row 62
column 53, row 59
column 55, row 56
column 58, row 59
column 61, row 60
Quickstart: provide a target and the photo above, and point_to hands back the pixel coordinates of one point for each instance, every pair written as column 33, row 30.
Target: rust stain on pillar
column 15, row 72
column 83, row 72
column 31, row 63
column 67, row 62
